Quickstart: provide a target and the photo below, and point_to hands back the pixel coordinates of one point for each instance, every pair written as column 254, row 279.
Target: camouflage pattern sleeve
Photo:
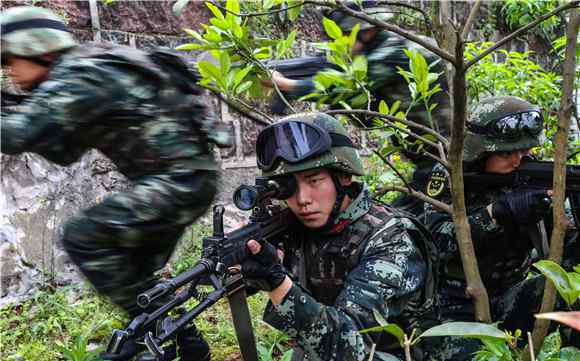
column 46, row 121
column 483, row 230
column 390, row 272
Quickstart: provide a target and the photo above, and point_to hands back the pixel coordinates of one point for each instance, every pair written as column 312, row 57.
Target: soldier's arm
column 483, row 229
column 390, row 272
column 46, row 122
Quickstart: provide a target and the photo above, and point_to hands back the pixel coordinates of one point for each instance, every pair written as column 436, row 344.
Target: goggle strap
column 33, row 24
column 339, row 140
column 478, row 129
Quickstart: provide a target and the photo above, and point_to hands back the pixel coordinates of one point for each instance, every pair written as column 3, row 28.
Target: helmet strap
column 42, row 62
column 341, row 192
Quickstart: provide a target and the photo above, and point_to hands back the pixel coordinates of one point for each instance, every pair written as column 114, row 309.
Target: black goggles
column 294, row 141
column 512, row 127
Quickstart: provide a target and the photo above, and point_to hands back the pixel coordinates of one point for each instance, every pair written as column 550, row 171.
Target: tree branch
column 392, row 166
column 570, row 5
column 426, row 17
column 470, row 19
column 243, row 112
column 559, row 183
column 391, row 119
column 420, row 195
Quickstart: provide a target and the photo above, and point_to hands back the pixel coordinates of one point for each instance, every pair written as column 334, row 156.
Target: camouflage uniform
column 373, row 258
column 504, row 254
column 140, row 111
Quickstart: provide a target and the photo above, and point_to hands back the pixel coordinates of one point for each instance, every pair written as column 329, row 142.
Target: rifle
column 221, row 251
column 532, row 173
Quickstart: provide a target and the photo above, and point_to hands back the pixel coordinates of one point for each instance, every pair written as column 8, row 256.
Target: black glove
column 263, row 269
column 522, row 207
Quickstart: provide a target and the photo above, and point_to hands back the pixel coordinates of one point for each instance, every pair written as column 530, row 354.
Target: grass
column 69, row 323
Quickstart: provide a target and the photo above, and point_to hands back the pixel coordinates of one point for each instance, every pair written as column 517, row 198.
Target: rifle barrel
column 203, row 267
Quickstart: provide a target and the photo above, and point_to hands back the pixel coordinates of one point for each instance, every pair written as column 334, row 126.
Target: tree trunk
column 559, row 184
column 475, row 288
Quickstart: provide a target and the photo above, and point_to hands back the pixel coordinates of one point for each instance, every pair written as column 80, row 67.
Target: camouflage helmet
column 487, row 113
column 342, row 158
column 29, row 32
column 347, row 22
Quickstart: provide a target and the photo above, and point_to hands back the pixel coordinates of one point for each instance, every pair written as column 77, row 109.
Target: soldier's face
column 505, row 162
column 315, row 196
column 24, row 73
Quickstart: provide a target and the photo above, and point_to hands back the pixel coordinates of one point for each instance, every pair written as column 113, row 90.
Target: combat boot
column 192, row 346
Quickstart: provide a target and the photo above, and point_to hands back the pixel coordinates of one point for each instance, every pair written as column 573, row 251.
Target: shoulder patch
column 436, row 183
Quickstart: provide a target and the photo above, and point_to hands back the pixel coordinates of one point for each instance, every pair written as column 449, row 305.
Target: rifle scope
column 247, row 197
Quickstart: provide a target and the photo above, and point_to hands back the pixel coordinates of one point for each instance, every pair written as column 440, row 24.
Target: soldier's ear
column 345, row 179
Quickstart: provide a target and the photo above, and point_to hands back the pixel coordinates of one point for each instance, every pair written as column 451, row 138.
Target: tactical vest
column 337, row 255
column 502, row 263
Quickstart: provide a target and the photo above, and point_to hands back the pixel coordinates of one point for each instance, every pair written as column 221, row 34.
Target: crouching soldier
column 349, row 257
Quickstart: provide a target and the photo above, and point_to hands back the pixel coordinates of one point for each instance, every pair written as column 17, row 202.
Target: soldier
column 500, row 132
column 142, row 111
column 385, row 53
column 347, row 258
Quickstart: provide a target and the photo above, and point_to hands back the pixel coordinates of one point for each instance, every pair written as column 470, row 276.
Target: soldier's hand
column 522, row 207
column 263, row 268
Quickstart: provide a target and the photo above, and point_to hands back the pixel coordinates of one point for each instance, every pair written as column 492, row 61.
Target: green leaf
column 332, row 30
column 211, row 71
column 214, row 9
column 570, row 353
column 465, row 329
column 494, row 349
column 560, row 279
column 225, row 63
column 294, row 10
column 179, row 6
column 194, row 34
column 359, row 101
column 267, row 4
column 221, row 24
column 551, row 346
column 353, row 35
column 359, row 66
column 243, row 87
column 233, row 6
column 385, row 326
column 383, row 107
column 390, row 328
column 213, row 36
column 283, row 45
column 189, row 46
column 395, row 107
column 241, row 74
